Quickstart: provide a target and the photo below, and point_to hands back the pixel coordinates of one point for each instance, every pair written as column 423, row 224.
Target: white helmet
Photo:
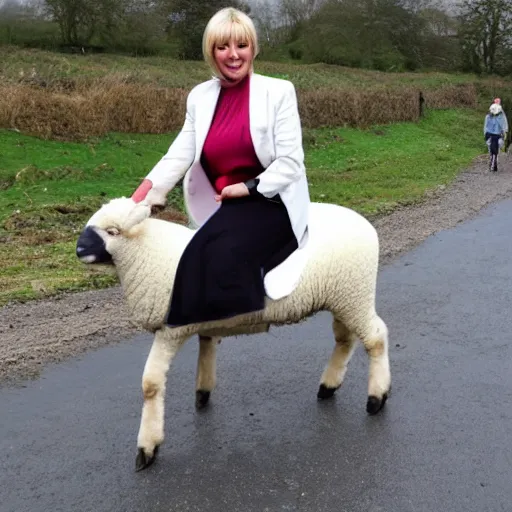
column 495, row 109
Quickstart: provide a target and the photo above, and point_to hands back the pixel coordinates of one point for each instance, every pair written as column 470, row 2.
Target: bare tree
column 439, row 22
column 265, row 14
column 486, row 32
column 134, row 25
column 77, row 19
column 189, row 19
column 294, row 13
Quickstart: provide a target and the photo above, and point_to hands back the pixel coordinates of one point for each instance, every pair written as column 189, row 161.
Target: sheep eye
column 112, row 231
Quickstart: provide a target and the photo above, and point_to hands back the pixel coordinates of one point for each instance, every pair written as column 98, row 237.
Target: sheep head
column 98, row 240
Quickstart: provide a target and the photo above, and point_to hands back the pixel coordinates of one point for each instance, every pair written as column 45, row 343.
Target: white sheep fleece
column 340, row 275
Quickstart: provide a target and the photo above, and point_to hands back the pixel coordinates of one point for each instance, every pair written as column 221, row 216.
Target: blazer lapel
column 205, row 109
column 258, row 119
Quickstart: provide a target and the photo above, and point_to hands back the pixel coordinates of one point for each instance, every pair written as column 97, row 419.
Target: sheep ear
column 140, row 212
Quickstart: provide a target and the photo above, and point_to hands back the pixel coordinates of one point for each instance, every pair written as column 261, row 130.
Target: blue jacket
column 496, row 125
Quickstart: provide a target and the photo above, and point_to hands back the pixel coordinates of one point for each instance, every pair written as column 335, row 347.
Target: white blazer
column 277, row 138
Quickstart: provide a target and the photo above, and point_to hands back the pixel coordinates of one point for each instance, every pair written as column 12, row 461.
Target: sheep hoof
column 324, row 392
column 374, row 404
column 143, row 461
column 202, row 398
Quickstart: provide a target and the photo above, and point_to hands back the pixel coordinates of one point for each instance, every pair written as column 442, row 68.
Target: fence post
column 422, row 101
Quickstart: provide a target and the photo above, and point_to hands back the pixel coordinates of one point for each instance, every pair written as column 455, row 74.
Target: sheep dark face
column 107, row 228
column 91, row 248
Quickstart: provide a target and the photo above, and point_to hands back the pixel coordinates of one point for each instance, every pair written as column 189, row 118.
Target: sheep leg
column 151, row 432
column 334, row 373
column 206, row 370
column 379, row 380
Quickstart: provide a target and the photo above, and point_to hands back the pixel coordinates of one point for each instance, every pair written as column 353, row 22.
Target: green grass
column 16, row 64
column 66, row 172
column 49, row 189
column 376, row 170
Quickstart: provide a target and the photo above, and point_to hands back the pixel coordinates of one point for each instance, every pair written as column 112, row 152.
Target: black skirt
column 221, row 271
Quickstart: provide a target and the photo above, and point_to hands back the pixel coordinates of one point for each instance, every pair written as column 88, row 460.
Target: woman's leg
column 221, row 271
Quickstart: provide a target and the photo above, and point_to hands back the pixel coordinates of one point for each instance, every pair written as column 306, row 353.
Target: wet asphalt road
column 443, row 443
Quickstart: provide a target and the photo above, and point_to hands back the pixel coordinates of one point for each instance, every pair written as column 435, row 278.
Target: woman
column 495, row 129
column 245, row 186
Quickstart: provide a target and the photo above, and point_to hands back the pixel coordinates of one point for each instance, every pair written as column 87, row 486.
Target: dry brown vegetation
column 450, row 96
column 75, row 110
column 73, row 97
column 357, row 108
column 91, row 110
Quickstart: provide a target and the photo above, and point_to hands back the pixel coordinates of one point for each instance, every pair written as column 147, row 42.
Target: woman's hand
column 232, row 191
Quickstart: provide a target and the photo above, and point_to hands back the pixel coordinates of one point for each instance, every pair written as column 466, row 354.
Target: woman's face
column 234, row 60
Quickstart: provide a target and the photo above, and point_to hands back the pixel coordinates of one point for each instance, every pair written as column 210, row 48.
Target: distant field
column 48, row 189
column 35, row 65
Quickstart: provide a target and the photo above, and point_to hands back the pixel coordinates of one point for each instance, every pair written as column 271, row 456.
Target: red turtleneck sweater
column 228, row 153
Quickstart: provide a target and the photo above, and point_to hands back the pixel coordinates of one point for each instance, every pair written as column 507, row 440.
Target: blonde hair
column 227, row 24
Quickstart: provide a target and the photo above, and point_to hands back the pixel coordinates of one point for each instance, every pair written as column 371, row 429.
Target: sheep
column 340, row 277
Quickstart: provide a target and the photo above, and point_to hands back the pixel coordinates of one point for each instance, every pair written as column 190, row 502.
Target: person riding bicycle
column 495, row 130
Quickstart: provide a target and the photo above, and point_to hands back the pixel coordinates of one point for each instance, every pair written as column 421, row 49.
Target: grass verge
column 49, row 189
